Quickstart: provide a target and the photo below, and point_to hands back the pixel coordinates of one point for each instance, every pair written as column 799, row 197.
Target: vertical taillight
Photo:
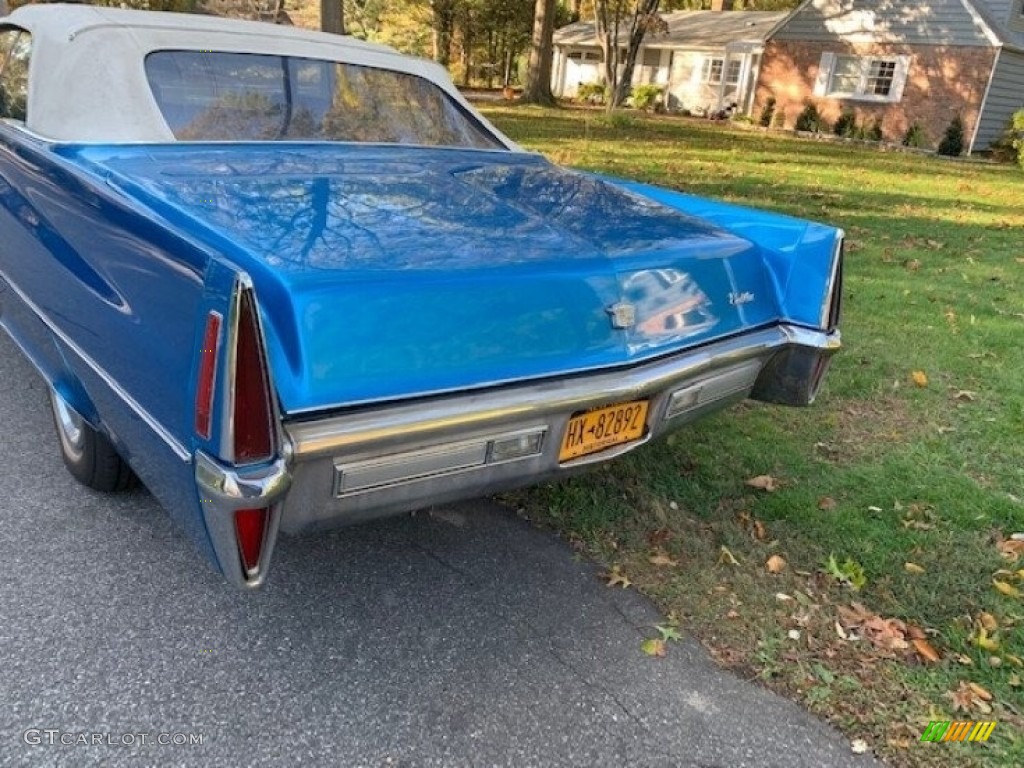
column 253, row 425
column 207, row 379
column 250, row 527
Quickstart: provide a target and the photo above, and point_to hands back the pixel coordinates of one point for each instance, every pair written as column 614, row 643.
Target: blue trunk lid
column 392, row 272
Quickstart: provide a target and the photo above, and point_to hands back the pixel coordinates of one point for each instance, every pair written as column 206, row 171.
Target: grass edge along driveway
column 856, row 555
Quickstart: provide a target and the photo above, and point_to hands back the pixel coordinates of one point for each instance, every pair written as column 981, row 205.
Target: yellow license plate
column 602, row 428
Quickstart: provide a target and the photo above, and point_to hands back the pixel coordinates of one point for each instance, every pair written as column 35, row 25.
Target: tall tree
column 537, row 89
column 332, row 16
column 623, row 24
column 443, row 29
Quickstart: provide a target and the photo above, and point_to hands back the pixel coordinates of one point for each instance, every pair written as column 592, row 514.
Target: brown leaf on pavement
column 653, row 647
column 615, row 577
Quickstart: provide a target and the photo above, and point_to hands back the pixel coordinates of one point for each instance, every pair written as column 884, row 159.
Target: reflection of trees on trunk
column 387, row 208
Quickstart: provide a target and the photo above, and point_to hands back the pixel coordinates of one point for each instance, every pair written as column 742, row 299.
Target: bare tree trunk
column 538, row 74
column 332, row 16
column 443, row 27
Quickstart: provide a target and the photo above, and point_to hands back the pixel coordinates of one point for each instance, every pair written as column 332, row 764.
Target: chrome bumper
column 377, row 461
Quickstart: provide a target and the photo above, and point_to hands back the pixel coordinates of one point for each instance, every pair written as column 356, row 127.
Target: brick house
column 901, row 62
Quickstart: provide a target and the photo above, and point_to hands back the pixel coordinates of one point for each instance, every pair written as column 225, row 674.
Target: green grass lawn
column 882, row 471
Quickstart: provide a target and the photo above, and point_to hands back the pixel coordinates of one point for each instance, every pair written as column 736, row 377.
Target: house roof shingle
column 688, row 29
column 981, row 23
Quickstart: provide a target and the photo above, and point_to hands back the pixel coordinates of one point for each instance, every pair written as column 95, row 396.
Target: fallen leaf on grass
column 983, row 640
column 841, row 632
column 616, row 577
column 926, row 651
column 858, row 746
column 775, row 564
column 726, row 557
column 827, row 503
column 850, row 572
column 965, row 395
column 760, row 533
column 920, row 378
column 653, row 647
column 668, row 633
column 980, row 692
column 1011, row 549
column 969, row 695
column 764, row 483
column 1015, row 660
column 988, row 621
column 913, row 568
column 885, row 634
column 662, row 559
column 1014, row 681
column 1007, row 589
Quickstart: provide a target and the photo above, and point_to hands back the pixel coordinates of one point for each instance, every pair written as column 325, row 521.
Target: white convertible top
column 87, row 81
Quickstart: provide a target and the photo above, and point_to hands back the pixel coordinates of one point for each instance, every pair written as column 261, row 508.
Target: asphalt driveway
column 459, row 638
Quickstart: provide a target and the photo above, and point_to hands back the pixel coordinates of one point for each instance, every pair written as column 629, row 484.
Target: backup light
column 515, row 447
column 717, row 387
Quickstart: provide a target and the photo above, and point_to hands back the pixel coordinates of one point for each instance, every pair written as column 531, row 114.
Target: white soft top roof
column 87, row 80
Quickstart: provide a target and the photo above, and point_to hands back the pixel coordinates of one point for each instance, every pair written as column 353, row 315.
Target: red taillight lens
column 253, row 418
column 250, row 525
column 207, row 375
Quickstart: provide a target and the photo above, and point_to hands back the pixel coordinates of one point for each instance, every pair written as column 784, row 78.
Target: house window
column 715, row 69
column 862, row 78
column 712, row 71
column 732, row 72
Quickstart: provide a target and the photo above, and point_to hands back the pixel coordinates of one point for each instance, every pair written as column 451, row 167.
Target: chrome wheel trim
column 71, row 427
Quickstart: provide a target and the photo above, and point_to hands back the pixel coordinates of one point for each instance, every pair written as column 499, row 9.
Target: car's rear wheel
column 88, row 454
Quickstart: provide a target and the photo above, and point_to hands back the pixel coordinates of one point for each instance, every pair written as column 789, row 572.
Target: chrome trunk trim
column 402, row 423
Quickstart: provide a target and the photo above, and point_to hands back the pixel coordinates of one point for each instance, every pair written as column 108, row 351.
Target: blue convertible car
column 292, row 280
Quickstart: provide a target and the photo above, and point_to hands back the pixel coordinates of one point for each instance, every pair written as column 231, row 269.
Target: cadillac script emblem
column 623, row 315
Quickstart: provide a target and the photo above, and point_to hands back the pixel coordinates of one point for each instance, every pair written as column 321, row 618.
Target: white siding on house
column 1005, row 96
column 937, row 22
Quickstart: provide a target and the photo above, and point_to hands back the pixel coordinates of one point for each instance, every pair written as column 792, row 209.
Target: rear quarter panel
column 104, row 299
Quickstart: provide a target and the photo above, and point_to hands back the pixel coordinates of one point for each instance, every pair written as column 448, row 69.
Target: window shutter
column 899, row 78
column 828, row 60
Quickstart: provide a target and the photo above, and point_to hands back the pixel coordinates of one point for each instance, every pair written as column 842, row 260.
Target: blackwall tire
column 88, row 455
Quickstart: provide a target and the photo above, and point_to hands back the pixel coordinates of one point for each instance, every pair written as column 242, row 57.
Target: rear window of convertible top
column 212, row 96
